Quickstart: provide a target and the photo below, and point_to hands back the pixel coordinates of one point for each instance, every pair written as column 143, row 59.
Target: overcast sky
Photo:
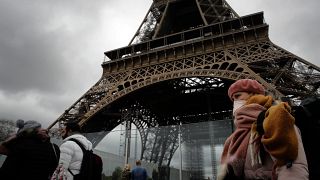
column 51, row 51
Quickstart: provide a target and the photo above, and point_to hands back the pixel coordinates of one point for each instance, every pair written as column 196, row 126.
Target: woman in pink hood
column 277, row 154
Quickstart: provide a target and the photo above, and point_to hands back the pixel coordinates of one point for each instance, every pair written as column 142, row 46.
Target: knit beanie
column 27, row 126
column 246, row 85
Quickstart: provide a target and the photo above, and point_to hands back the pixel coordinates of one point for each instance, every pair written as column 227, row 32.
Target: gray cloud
column 36, row 45
column 293, row 24
column 51, row 51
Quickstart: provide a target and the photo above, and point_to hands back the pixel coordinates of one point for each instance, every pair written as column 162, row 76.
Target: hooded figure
column 30, row 154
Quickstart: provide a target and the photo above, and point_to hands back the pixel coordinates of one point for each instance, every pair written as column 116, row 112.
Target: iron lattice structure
column 177, row 69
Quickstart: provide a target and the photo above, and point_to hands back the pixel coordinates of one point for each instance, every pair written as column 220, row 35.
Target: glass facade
column 165, row 155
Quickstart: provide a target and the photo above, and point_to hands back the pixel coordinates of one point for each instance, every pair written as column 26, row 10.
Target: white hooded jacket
column 71, row 154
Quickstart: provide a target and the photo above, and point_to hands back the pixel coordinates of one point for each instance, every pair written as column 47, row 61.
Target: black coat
column 30, row 158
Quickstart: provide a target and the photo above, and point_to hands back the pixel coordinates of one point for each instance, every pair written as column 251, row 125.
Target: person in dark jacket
column 139, row 173
column 307, row 116
column 30, row 154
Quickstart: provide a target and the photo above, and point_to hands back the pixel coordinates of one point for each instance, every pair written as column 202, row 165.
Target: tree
column 116, row 175
column 104, row 177
column 7, row 127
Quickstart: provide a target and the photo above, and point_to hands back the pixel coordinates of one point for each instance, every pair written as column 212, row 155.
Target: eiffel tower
column 177, row 69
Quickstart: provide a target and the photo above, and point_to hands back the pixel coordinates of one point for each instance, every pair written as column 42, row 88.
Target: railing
column 213, row 30
column 159, row 3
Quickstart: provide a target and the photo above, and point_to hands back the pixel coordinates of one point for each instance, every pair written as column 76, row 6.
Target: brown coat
column 298, row 171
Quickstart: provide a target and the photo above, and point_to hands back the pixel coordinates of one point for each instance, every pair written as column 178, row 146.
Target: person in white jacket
column 70, row 152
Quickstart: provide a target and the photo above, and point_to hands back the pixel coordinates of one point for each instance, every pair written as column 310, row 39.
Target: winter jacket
column 298, row 170
column 71, row 154
column 29, row 158
column 139, row 173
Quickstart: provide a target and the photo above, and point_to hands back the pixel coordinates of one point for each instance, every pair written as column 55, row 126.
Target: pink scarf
column 235, row 148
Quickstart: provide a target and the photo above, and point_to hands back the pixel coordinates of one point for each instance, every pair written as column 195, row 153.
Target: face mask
column 237, row 104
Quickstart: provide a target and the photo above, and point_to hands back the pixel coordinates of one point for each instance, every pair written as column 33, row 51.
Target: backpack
column 91, row 166
column 307, row 119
